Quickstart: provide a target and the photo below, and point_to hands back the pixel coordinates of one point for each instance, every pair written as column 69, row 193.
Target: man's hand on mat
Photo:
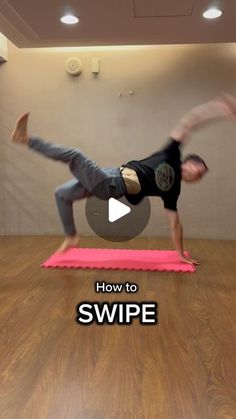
column 70, row 241
column 189, row 260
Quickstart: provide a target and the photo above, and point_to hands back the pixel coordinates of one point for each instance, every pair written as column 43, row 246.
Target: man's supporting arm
column 224, row 106
column 177, row 235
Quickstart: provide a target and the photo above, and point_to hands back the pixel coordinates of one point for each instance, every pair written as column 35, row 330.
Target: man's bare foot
column 70, row 241
column 20, row 134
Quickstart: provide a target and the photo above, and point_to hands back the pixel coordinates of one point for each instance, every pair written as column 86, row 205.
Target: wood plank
column 52, row 367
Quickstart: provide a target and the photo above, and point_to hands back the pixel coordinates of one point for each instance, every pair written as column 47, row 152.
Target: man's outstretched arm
column 177, row 235
column 224, row 106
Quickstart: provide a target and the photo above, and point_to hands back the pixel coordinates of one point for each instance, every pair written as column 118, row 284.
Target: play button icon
column 117, row 219
column 117, row 210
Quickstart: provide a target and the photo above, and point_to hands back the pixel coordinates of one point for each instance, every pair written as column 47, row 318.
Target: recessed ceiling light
column 69, row 19
column 212, row 13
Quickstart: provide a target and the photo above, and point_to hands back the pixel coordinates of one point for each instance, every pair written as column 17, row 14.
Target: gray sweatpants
column 89, row 179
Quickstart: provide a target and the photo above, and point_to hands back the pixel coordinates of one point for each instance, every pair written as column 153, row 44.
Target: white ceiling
column 35, row 23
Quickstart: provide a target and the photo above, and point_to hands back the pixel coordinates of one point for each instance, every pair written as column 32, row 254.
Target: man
column 157, row 175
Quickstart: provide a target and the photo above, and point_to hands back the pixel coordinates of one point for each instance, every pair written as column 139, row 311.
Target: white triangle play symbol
column 117, row 210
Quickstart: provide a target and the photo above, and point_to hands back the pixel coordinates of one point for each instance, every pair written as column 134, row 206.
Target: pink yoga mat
column 124, row 259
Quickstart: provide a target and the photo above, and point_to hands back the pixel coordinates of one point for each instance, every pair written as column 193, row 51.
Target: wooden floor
column 51, row 367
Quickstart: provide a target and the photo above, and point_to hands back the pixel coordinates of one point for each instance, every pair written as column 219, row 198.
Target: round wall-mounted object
column 73, row 66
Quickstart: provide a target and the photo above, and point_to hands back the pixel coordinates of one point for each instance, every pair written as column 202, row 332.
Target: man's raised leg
column 95, row 179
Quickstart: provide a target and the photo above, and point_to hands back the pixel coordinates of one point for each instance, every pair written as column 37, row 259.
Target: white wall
column 87, row 112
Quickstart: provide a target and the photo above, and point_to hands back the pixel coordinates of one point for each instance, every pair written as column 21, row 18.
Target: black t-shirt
column 159, row 175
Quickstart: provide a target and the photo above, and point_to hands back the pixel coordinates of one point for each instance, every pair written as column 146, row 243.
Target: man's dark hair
column 195, row 158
